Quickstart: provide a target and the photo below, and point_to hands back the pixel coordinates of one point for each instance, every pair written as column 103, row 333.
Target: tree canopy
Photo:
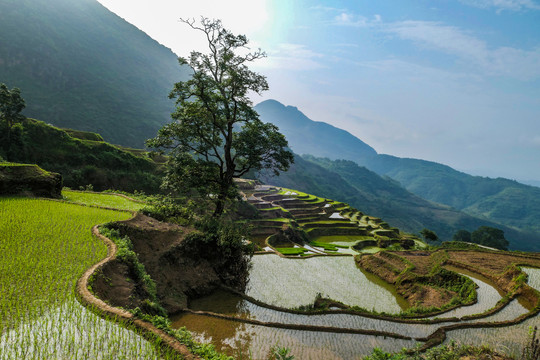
column 11, row 105
column 490, row 236
column 216, row 135
column 429, row 235
column 462, row 235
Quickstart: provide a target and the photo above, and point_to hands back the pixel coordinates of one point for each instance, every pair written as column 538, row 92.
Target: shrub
column 224, row 245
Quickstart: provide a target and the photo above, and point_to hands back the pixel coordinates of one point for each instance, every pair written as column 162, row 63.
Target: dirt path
column 147, row 330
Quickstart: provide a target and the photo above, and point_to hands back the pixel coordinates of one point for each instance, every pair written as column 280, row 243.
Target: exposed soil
column 496, row 266
column 491, row 261
column 421, row 259
column 421, row 295
column 177, row 276
column 29, row 180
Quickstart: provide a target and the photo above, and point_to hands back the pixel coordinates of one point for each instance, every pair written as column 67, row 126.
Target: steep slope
column 343, row 180
column 80, row 66
column 498, row 200
column 306, row 136
column 501, row 200
column 80, row 161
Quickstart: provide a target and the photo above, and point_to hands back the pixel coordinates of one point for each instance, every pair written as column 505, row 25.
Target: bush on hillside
column 223, row 244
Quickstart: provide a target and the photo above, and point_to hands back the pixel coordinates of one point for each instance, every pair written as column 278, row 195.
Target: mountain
column 501, row 201
column 305, row 135
column 345, row 180
column 80, row 66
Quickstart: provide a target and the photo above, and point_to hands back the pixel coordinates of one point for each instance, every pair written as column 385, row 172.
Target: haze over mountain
column 499, row 200
column 81, row 66
column 78, row 65
column 345, row 180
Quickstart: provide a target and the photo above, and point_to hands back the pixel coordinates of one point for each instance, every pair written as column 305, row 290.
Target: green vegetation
column 429, row 235
column 216, row 135
column 22, row 179
column 484, row 235
column 446, row 352
column 102, row 200
column 222, row 243
column 291, row 250
column 462, row 236
column 378, row 196
column 11, row 105
column 489, row 236
column 81, row 162
column 95, row 71
column 45, row 247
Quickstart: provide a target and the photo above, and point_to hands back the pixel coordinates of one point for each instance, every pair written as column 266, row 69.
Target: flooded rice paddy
column 282, row 281
column 292, row 283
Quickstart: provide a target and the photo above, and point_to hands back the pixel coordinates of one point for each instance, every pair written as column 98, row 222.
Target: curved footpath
column 123, row 317
column 169, row 343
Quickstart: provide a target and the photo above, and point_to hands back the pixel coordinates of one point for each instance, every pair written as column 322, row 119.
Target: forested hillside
column 499, row 200
column 80, row 66
column 383, row 197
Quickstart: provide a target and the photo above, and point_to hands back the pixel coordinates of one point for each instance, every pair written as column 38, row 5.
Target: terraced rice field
column 293, row 282
column 243, row 340
column 330, row 227
column 45, row 247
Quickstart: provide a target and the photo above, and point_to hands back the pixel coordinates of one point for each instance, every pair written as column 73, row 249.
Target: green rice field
column 103, row 200
column 45, row 248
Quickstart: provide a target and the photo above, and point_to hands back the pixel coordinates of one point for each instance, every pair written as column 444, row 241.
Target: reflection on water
column 235, row 338
column 534, row 277
column 291, row 283
column 245, row 340
column 509, row 340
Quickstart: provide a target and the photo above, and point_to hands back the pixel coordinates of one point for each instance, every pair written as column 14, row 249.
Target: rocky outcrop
column 20, row 179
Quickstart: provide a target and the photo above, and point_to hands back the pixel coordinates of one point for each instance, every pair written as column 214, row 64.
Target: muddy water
column 240, row 339
column 534, row 277
column 292, row 283
column 509, row 340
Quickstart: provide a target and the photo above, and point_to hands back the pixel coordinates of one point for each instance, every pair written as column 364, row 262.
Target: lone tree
column 11, row 105
column 216, row 135
column 429, row 235
column 490, row 236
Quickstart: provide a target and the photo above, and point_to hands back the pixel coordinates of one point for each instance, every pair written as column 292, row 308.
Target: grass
column 291, row 250
column 328, row 246
column 45, row 247
column 103, row 200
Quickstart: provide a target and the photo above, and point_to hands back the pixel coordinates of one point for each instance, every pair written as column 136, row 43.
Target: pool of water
column 271, row 281
column 243, row 340
column 292, row 283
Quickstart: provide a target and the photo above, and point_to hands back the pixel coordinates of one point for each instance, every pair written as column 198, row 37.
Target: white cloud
column 500, row 5
column 327, row 8
column 350, row 19
column 503, row 61
column 292, row 57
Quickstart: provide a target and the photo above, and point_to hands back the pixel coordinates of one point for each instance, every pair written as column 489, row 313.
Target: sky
column 451, row 81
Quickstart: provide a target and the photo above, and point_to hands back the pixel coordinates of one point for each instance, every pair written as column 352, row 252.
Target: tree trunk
column 220, row 202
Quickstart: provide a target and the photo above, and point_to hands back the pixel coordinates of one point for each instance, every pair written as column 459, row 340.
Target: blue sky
column 457, row 82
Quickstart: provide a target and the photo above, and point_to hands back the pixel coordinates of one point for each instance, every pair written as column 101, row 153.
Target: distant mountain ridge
column 80, row 66
column 304, row 135
column 502, row 201
column 385, row 198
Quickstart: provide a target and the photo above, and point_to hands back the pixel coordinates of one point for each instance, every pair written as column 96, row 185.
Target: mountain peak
column 306, row 136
